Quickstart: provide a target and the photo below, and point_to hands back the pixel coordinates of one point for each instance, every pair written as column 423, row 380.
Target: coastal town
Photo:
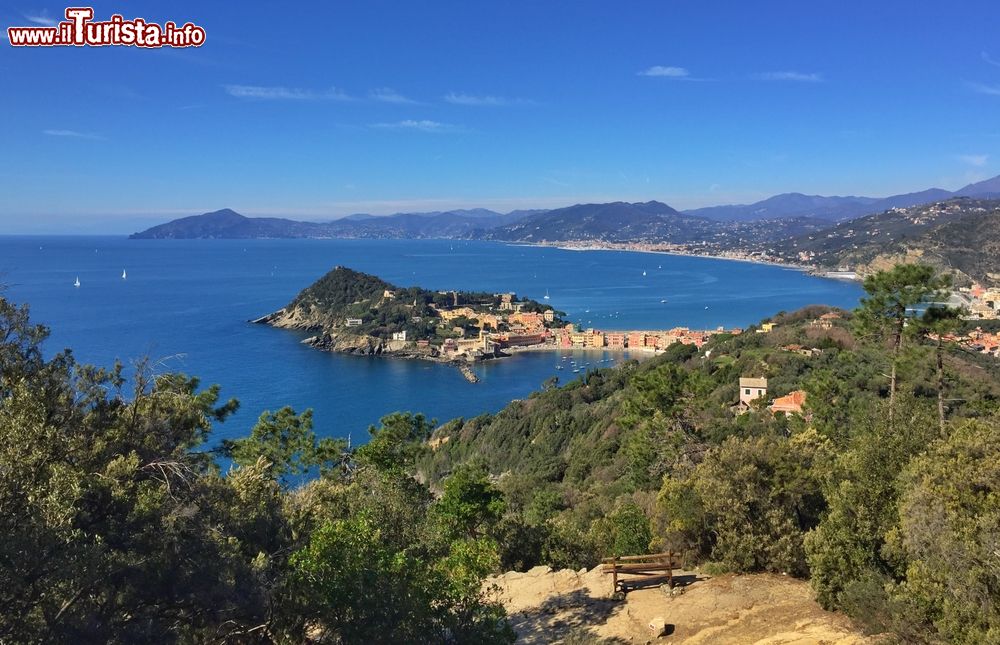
column 511, row 328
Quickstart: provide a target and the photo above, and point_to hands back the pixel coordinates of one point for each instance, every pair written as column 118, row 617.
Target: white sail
column 77, row 283
column 124, row 275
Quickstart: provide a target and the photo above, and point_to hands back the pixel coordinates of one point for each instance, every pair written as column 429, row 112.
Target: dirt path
column 575, row 607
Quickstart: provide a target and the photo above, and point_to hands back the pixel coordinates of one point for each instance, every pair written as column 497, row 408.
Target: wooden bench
column 645, row 566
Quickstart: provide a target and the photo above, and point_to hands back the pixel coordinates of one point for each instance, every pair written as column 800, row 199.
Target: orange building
column 791, row 403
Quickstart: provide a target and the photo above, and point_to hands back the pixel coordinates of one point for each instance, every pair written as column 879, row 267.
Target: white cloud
column 277, row 93
column 423, row 125
column 664, row 71
column 461, row 98
column 796, row 77
column 982, row 88
column 41, row 19
column 974, row 160
column 71, row 134
column 389, row 95
column 989, row 59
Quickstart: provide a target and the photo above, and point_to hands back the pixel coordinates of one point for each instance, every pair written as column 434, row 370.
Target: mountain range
column 838, row 209
column 781, row 216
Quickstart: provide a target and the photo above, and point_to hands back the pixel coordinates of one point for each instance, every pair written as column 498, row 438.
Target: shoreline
column 632, row 247
column 556, row 348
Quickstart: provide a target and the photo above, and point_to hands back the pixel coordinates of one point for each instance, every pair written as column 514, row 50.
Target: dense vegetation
column 884, row 493
column 119, row 526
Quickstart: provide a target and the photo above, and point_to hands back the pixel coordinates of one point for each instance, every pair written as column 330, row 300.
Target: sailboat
column 124, row 275
column 546, row 296
column 77, row 283
column 643, row 273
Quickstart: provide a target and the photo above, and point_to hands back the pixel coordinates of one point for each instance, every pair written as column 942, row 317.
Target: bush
column 748, row 505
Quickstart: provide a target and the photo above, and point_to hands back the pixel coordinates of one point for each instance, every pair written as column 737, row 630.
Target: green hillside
column 121, row 525
column 961, row 235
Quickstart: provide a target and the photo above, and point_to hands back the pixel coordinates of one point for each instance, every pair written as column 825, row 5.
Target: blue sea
column 186, row 305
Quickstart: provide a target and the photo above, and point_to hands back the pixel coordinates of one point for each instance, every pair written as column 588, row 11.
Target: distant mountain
column 960, row 234
column 838, row 209
column 438, row 224
column 910, row 199
column 724, row 228
column 614, row 222
column 228, row 224
column 986, row 188
column 833, row 209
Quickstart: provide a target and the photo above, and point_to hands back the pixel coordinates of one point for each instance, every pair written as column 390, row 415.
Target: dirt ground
column 575, row 607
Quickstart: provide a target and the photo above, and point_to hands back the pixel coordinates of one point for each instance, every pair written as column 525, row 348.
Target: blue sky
column 323, row 109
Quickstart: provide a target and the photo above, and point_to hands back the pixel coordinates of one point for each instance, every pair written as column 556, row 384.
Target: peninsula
column 357, row 313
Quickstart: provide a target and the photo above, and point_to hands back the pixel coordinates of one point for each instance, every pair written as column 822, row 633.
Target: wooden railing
column 645, row 566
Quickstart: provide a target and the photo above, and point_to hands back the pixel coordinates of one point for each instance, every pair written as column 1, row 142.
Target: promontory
column 357, row 313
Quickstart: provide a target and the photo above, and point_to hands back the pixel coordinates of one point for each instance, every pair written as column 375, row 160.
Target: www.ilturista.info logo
column 79, row 30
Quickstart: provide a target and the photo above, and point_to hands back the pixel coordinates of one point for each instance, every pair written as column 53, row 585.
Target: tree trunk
column 940, row 382
column 897, row 343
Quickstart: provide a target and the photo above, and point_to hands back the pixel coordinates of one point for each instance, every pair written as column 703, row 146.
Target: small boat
column 643, row 273
column 663, row 301
column 546, row 296
column 77, row 283
column 576, row 370
column 706, row 306
column 124, row 275
column 559, row 367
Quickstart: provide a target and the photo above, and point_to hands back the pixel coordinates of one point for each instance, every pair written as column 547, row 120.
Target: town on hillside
column 477, row 332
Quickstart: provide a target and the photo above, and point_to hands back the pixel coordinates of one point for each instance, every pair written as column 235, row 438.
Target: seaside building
column 354, row 322
column 636, row 339
column 399, row 335
column 615, row 339
column 664, row 341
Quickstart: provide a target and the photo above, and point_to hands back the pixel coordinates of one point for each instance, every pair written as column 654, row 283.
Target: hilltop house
column 751, row 389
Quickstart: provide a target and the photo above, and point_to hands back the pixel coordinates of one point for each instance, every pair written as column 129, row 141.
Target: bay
column 186, row 303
